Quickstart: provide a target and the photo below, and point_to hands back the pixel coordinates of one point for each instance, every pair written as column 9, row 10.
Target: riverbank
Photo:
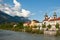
column 34, row 32
column 21, row 28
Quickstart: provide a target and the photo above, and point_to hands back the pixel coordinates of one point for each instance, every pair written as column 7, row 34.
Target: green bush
column 49, row 26
column 43, row 26
column 57, row 25
column 28, row 29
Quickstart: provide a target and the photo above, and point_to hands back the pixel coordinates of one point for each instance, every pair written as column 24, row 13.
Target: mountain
column 7, row 18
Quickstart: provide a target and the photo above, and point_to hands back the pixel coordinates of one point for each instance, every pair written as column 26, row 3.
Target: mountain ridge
column 7, row 18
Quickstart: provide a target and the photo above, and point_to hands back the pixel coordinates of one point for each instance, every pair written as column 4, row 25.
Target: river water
column 11, row 35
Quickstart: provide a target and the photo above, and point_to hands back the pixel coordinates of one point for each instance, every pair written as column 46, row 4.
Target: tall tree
column 57, row 25
column 43, row 25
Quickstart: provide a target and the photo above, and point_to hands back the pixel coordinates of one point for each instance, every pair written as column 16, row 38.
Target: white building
column 48, row 20
column 52, row 21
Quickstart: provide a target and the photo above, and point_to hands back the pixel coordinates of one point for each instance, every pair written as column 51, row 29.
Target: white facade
column 52, row 22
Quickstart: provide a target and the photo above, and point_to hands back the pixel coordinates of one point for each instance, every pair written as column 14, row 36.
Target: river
column 11, row 35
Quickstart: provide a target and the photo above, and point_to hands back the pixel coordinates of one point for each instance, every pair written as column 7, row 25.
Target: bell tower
column 46, row 16
column 55, row 15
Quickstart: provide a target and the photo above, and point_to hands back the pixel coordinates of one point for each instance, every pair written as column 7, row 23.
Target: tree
column 43, row 26
column 35, row 26
column 49, row 26
column 57, row 25
column 28, row 29
column 20, row 25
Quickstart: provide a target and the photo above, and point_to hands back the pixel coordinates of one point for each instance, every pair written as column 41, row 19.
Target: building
column 47, row 20
column 27, row 23
column 52, row 21
column 34, row 24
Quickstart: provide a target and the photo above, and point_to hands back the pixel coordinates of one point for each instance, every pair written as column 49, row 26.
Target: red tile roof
column 53, row 19
column 36, row 21
column 27, row 22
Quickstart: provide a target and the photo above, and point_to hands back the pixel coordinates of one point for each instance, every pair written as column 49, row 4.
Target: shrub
column 49, row 26
column 57, row 25
column 43, row 26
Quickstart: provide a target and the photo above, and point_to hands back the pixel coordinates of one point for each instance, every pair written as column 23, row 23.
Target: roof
column 46, row 19
column 27, row 22
column 36, row 21
column 55, row 19
column 52, row 19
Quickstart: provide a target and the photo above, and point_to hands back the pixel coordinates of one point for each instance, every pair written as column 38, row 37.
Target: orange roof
column 36, row 21
column 27, row 22
column 58, row 18
column 53, row 19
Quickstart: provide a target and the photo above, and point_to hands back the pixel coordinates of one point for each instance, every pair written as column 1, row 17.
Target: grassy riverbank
column 21, row 28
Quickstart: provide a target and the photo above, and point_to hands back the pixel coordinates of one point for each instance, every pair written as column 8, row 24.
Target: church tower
column 46, row 16
column 55, row 15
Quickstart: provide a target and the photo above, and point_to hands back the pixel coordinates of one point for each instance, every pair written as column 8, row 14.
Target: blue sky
column 38, row 7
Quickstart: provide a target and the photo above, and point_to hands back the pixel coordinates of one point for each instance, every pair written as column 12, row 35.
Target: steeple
column 55, row 15
column 46, row 16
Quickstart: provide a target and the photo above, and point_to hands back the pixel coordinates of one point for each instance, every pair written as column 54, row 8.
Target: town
column 50, row 24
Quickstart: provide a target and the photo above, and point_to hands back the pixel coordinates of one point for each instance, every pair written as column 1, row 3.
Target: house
column 27, row 23
column 34, row 24
column 31, row 24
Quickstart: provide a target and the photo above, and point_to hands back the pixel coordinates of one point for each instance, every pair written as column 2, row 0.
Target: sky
column 33, row 9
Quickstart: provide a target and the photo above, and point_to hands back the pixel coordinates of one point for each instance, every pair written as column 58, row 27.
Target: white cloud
column 17, row 5
column 14, row 11
column 25, row 13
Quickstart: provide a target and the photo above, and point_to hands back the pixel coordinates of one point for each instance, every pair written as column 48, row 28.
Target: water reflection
column 10, row 35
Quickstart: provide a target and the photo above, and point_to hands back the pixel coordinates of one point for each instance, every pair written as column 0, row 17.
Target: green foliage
column 6, row 26
column 9, row 26
column 20, row 25
column 49, row 26
column 57, row 33
column 35, row 26
column 43, row 26
column 28, row 29
column 57, row 25
column 38, row 31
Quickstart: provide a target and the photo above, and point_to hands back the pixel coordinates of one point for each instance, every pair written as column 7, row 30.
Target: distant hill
column 7, row 18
